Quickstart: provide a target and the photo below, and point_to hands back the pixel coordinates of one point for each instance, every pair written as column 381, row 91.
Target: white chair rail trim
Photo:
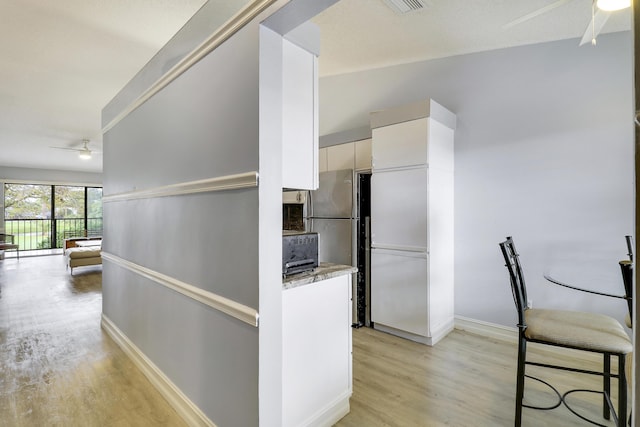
column 232, row 308
column 232, row 26
column 221, row 183
column 188, row 410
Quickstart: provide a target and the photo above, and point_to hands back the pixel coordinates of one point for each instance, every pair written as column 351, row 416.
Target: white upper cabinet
column 340, row 157
column 300, row 118
column 363, row 154
column 351, row 155
column 400, row 145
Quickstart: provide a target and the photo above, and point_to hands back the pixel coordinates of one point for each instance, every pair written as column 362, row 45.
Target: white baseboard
column 432, row 340
column 440, row 332
column 185, row 408
column 331, row 414
column 400, row 333
column 489, row 330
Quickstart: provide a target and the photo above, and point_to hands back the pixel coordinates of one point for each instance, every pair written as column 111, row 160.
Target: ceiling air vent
column 405, row 6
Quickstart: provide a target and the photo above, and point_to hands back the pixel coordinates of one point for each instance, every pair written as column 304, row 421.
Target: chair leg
column 622, row 391
column 606, row 386
column 522, row 354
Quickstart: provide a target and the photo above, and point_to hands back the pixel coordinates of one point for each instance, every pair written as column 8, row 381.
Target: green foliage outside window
column 28, row 210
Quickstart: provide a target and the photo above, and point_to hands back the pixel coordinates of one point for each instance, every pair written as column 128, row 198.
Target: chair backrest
column 629, row 240
column 6, row 238
column 627, row 279
column 518, row 286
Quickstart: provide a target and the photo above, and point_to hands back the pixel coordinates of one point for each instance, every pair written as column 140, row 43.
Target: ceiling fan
column 84, row 153
column 600, row 12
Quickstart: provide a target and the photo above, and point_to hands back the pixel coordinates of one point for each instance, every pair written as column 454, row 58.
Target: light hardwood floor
column 465, row 380
column 57, row 367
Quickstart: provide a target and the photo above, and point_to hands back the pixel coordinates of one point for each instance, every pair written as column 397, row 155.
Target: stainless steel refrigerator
column 332, row 214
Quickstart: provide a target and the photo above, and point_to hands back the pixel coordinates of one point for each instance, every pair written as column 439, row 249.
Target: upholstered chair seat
column 581, row 330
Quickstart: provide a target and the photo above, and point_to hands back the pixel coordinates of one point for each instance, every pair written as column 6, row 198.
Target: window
column 94, row 211
column 42, row 216
column 27, row 214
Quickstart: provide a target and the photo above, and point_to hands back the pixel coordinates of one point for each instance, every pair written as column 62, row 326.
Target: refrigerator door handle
column 402, row 248
column 397, row 252
column 367, row 277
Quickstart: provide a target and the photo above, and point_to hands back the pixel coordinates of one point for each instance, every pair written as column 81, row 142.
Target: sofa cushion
column 83, row 252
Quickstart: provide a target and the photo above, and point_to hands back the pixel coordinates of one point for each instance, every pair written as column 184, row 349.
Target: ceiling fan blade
column 67, row 148
column 83, row 150
column 595, row 26
column 535, row 13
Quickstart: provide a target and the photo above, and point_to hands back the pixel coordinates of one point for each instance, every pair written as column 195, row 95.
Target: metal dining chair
column 590, row 332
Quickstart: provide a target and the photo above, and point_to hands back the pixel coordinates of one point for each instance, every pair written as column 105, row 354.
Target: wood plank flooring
column 465, row 380
column 57, row 367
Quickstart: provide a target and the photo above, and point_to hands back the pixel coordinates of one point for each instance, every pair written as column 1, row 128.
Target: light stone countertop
column 324, row 271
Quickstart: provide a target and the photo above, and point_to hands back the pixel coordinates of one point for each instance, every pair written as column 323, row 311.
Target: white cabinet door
column 316, row 351
column 299, row 132
column 340, row 157
column 399, row 291
column 363, row 154
column 399, row 145
column 399, row 209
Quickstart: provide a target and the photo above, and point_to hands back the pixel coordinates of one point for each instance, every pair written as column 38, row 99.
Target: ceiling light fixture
column 84, row 153
column 613, row 5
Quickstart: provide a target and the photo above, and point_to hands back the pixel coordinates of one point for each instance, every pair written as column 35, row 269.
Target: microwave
column 294, row 210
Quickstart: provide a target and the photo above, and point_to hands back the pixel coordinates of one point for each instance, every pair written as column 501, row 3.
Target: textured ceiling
column 361, row 34
column 63, row 61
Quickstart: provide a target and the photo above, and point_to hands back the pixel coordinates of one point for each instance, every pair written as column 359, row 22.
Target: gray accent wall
column 205, row 124
column 543, row 152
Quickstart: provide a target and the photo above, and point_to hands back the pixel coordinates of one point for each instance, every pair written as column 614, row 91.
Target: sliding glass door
column 27, row 215
column 69, row 209
column 42, row 216
column 94, row 211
